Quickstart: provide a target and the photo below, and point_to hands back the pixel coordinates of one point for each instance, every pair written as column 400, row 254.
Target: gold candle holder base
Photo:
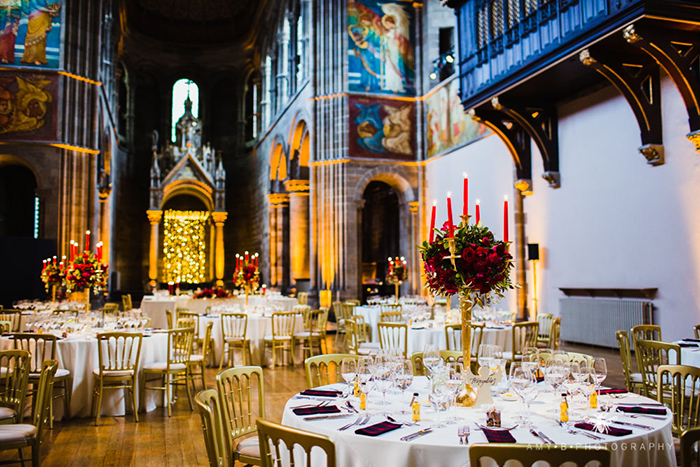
column 466, row 397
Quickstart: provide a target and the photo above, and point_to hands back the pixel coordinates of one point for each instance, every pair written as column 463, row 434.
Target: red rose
column 468, row 255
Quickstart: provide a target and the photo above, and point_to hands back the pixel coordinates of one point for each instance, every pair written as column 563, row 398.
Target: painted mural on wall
column 31, row 32
column 381, row 53
column 382, row 128
column 446, row 123
column 28, row 106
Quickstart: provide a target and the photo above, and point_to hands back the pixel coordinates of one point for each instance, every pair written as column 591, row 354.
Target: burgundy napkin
column 603, row 392
column 320, row 392
column 611, row 430
column 691, row 340
column 378, row 429
column 687, row 344
column 316, row 410
column 644, row 410
column 498, row 436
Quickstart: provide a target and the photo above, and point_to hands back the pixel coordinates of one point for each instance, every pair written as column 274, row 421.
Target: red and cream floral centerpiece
column 469, row 261
column 247, row 274
column 52, row 276
column 85, row 272
column 214, row 292
column 396, row 272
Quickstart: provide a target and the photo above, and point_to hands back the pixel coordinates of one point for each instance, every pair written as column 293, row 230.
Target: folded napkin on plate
column 610, row 430
column 321, row 392
column 316, row 410
column 688, row 339
column 688, row 344
column 644, row 410
column 378, row 429
column 498, row 436
column 603, row 392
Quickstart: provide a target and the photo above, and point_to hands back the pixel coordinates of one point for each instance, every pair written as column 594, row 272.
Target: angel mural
column 25, row 109
column 381, row 47
column 382, row 128
column 29, row 22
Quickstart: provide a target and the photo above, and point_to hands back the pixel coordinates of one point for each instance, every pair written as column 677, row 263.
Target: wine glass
column 403, row 378
column 530, row 359
column 439, row 395
column 600, row 369
column 524, row 384
column 454, row 383
column 382, row 376
column 431, row 357
column 485, row 355
column 348, row 370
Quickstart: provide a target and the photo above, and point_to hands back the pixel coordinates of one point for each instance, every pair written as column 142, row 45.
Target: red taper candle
column 465, row 206
column 246, row 257
column 432, row 221
column 478, row 211
column 450, row 224
column 87, row 240
column 54, row 261
column 505, row 219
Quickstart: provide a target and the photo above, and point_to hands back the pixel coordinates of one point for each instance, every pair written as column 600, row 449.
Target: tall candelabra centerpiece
column 52, row 275
column 247, row 274
column 396, row 273
column 469, row 261
column 85, row 271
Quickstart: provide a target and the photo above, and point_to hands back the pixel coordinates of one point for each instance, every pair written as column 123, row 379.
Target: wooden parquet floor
column 158, row 440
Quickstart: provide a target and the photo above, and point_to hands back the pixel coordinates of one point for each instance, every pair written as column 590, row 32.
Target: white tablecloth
column 690, row 356
column 79, row 356
column 258, row 327
column 641, row 449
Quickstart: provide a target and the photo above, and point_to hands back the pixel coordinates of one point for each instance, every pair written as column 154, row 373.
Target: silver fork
column 460, row 433
column 366, row 420
column 308, row 406
column 356, row 422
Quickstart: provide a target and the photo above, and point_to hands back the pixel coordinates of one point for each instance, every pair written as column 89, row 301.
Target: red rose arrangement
column 52, row 273
column 214, row 292
column 482, row 268
column 86, row 272
column 396, row 272
column 247, row 274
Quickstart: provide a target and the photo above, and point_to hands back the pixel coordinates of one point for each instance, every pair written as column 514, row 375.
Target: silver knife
column 636, row 425
column 326, row 417
column 545, row 437
column 537, row 435
column 417, row 434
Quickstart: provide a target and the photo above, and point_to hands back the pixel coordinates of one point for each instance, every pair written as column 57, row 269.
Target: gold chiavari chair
column 544, row 332
column 237, row 388
column 110, row 308
column 5, row 327
column 325, row 369
column 282, row 337
column 387, row 307
column 697, row 331
column 353, row 343
column 391, row 317
column 313, row 336
column 393, row 336
column 42, row 347
column 196, row 317
column 20, row 436
column 210, row 412
column 647, row 332
column 526, row 456
column 303, row 298
column 445, row 355
column 340, row 313
column 13, row 316
column 555, row 334
column 169, row 318
column 179, row 310
column 273, row 434
column 633, row 381
column 690, row 448
column 14, row 377
column 652, row 355
column 199, row 360
column 524, row 335
column 453, row 337
column 353, row 301
column 233, row 328
column 119, row 355
column 580, row 357
column 681, row 384
column 172, row 372
column 127, row 304
column 362, row 329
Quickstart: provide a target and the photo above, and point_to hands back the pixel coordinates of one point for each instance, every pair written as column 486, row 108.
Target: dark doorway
column 17, row 202
column 380, row 236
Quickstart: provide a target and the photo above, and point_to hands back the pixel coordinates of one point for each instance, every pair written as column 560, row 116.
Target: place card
column 482, row 383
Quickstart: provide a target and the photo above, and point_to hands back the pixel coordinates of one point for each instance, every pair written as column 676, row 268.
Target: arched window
column 182, row 90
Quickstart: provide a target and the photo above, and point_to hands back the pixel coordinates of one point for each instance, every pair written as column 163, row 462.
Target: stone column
column 219, row 219
column 154, row 218
column 360, row 205
column 279, row 203
column 299, row 228
column 412, row 257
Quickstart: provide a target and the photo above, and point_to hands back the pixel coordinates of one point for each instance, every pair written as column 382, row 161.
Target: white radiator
column 595, row 321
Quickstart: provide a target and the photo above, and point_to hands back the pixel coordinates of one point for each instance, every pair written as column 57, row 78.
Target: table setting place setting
column 547, row 398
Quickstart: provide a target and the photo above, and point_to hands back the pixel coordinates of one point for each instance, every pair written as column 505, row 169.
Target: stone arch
column 9, row 159
column 392, row 176
column 189, row 187
column 278, row 160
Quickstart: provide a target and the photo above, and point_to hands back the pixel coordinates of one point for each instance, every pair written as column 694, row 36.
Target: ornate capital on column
column 653, row 153
column 154, row 216
column 524, row 186
column 294, row 186
column 219, row 217
column 278, row 199
column 694, row 137
column 413, row 207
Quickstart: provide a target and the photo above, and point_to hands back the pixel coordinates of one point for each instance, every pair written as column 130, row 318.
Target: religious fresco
column 382, row 128
column 28, row 106
column 31, row 32
column 381, row 53
column 446, row 123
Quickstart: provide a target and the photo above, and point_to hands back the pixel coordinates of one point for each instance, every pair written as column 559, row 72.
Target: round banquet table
column 78, row 354
column 258, row 327
column 642, row 448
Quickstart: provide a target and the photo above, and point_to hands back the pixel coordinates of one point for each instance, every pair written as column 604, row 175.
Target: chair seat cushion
column 164, row 366
column 235, row 339
column 636, row 378
column 277, row 338
column 60, row 373
column 306, row 334
column 196, row 358
column 124, row 373
column 17, row 433
column 249, row 447
column 6, row 413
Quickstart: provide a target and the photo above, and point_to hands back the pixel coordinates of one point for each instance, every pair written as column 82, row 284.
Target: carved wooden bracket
column 637, row 77
column 678, row 53
column 540, row 122
column 516, row 139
